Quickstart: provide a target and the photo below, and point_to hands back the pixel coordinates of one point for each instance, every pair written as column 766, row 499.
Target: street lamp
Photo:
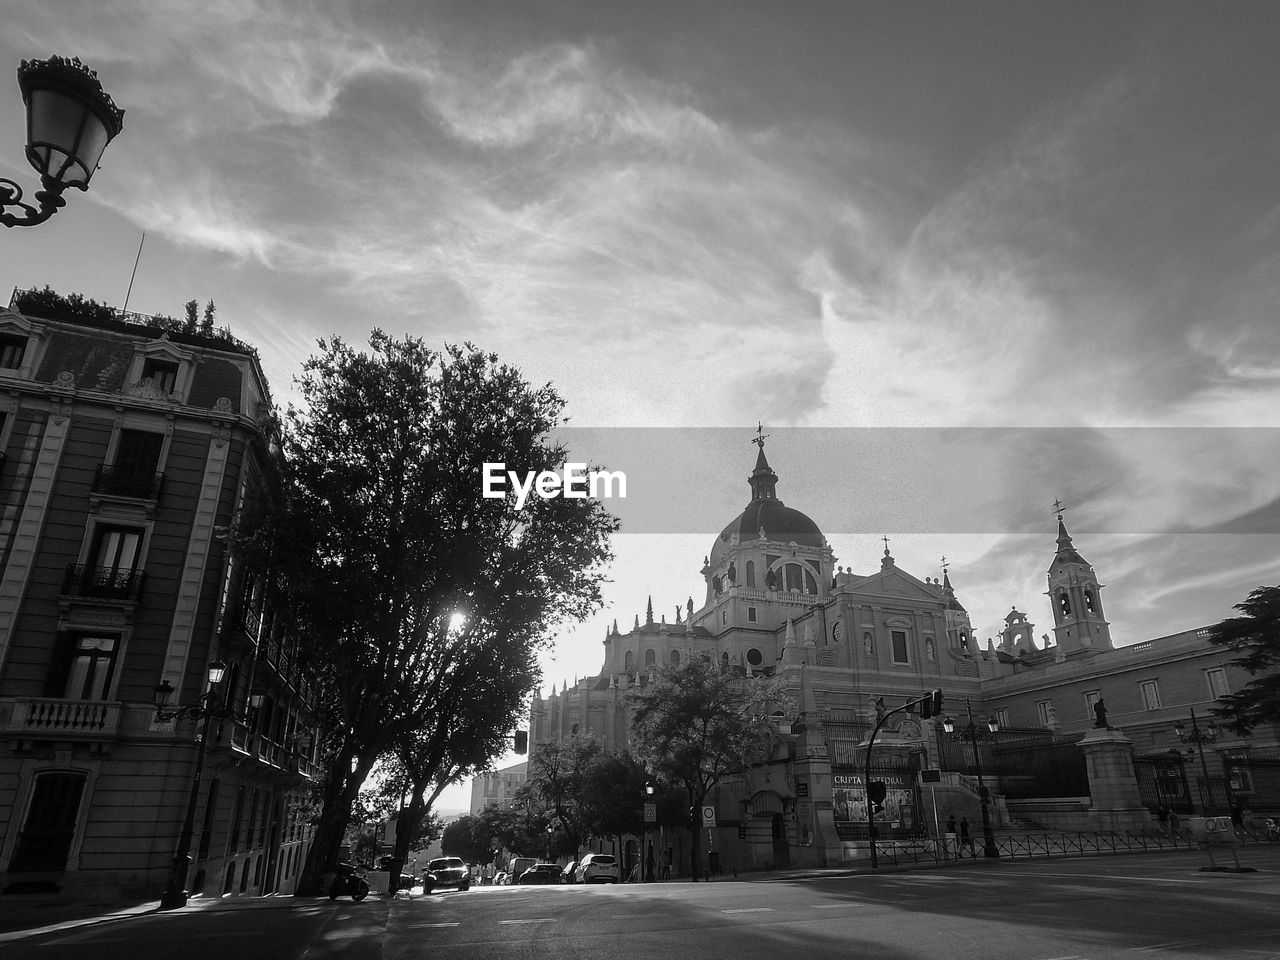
column 70, row 121
column 1199, row 738
column 208, row 710
column 648, row 801
column 973, row 735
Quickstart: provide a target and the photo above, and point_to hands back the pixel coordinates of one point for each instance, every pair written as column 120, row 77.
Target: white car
column 596, row 868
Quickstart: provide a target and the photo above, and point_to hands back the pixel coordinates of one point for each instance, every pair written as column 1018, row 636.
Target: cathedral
column 776, row 603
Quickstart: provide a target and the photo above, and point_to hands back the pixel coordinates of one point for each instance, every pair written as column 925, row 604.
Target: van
column 518, row 866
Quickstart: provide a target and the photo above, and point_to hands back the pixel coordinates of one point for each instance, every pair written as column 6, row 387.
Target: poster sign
column 650, row 812
column 708, row 816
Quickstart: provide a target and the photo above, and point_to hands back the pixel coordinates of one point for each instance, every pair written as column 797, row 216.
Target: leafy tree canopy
column 1257, row 635
column 425, row 603
column 697, row 724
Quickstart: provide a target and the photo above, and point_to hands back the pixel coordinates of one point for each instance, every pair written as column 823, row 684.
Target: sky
column 973, row 228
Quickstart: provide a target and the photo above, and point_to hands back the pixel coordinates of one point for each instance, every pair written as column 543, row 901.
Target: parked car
column 566, row 875
column 500, row 878
column 446, row 872
column 518, row 866
column 541, row 873
column 596, row 868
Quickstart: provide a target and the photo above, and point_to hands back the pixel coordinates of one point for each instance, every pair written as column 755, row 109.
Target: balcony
column 126, row 482
column 67, row 719
column 102, row 583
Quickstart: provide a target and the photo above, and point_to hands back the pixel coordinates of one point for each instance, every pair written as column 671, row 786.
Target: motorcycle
column 349, row 880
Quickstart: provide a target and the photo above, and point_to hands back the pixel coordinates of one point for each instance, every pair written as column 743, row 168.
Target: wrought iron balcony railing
column 126, row 482
column 106, row 583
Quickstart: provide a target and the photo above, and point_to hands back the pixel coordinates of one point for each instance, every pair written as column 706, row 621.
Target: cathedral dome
column 766, row 512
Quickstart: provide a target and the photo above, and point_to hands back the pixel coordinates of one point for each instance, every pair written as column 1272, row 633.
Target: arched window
column 1088, row 600
column 629, row 661
column 715, row 585
column 810, row 584
column 675, row 658
column 1064, row 603
column 794, row 577
column 751, row 574
column 650, row 657
column 724, row 661
column 964, row 641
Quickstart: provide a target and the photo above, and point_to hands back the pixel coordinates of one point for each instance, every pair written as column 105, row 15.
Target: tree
column 613, row 795
column 1258, row 634
column 465, row 838
column 414, row 590
column 557, row 777
column 697, row 724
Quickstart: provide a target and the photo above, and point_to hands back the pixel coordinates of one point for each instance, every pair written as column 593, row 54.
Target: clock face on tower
column 837, row 633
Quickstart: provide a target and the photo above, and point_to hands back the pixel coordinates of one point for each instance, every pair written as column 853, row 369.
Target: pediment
column 895, row 583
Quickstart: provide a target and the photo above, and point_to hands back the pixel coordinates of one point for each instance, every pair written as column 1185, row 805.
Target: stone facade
column 775, row 602
column 129, row 452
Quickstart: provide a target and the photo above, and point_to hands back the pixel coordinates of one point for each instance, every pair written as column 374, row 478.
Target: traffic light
column 522, row 741
column 926, row 707
column 877, row 790
column 935, row 703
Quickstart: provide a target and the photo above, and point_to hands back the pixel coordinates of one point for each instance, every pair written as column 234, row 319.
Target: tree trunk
column 340, row 791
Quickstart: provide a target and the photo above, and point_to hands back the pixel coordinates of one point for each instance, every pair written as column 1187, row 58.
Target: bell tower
column 1075, row 596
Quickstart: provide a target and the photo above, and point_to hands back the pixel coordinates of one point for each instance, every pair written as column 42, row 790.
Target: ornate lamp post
column 648, row 801
column 972, row 734
column 1199, row 738
column 208, row 710
column 70, row 121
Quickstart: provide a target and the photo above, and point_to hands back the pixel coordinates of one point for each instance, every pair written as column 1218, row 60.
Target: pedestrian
column 1173, row 824
column 1162, row 814
column 965, row 838
column 950, row 842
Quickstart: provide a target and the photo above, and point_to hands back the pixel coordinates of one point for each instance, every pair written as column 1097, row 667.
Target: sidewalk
column 28, row 914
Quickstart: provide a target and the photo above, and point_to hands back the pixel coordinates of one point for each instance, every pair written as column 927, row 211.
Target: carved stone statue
column 1100, row 715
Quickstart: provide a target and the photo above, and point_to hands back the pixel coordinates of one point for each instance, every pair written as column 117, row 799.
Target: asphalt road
column 1132, row 907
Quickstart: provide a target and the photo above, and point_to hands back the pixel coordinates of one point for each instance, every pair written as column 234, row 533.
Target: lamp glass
column 1178, row 728
column 216, row 670
column 993, row 724
column 948, row 725
column 163, row 691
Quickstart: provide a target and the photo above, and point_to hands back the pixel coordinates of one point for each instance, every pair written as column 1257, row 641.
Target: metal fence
column 1020, row 763
column 1032, row 846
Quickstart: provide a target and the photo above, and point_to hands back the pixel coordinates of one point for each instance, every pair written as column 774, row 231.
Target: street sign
column 650, row 813
column 708, row 816
column 802, row 789
column 930, row 776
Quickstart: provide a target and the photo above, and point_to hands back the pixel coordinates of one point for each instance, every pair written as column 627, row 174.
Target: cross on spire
column 1057, row 508
column 944, row 566
column 886, row 545
column 760, row 436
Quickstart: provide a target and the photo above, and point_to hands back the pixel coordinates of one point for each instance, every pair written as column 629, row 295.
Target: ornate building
column 130, row 447
column 775, row 602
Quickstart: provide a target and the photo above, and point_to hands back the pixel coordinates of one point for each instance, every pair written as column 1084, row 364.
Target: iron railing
column 107, row 583
column 1033, row 846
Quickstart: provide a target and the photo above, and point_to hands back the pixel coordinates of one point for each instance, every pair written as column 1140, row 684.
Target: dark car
column 541, row 873
column 446, row 872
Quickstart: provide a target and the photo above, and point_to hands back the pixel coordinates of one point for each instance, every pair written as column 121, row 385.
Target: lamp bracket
column 50, row 200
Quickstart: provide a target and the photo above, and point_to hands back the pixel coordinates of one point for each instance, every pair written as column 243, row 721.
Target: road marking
column 750, row 910
column 1096, row 876
column 1170, row 943
column 419, row 926
column 531, row 920
column 1074, row 956
column 832, row 906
